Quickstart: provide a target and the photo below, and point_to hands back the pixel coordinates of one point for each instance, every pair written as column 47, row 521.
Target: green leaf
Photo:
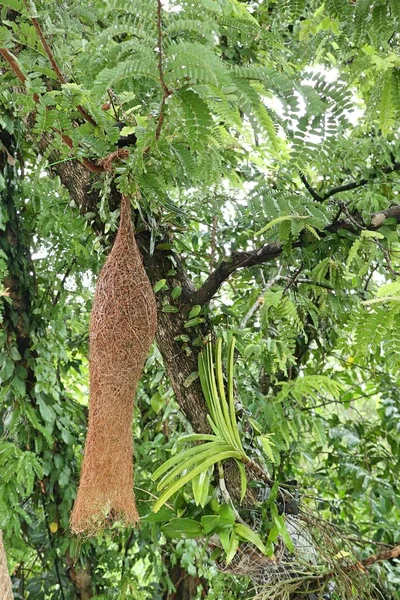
column 267, row 444
column 232, row 547
column 226, row 514
column 168, row 308
column 200, row 487
column 279, row 220
column 163, row 515
column 194, row 322
column 243, row 480
column 203, row 452
column 184, row 480
column 46, row 411
column 14, row 354
column 161, row 284
column 190, row 379
column 176, row 292
column 245, row 533
column 19, row 386
column 210, row 523
column 196, row 310
column 279, row 521
column 7, row 369
column 214, row 444
column 182, row 528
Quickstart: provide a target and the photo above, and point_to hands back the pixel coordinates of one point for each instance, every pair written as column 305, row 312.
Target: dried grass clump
column 323, row 564
column 5, row 581
column 122, row 328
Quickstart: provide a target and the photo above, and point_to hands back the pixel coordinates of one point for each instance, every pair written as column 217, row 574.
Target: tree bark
column 185, row 585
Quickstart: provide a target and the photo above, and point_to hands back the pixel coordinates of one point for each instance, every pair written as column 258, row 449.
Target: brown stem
column 352, row 185
column 54, row 64
column 166, row 91
column 386, row 555
column 13, row 64
column 214, row 226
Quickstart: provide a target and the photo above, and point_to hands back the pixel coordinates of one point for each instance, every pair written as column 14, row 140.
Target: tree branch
column 166, row 91
column 352, row 185
column 239, row 260
column 310, row 189
column 386, row 555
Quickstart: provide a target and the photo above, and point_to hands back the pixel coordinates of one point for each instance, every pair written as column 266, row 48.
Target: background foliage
column 267, row 125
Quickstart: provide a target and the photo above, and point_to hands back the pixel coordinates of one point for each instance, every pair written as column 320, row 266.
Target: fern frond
column 251, row 102
column 197, row 118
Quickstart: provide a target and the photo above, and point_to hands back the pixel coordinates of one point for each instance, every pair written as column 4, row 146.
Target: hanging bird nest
column 122, row 328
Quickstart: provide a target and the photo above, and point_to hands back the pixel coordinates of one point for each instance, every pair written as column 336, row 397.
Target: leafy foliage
column 274, row 128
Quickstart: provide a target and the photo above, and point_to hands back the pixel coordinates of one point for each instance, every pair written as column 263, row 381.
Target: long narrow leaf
column 204, row 383
column 244, row 532
column 203, row 452
column 223, row 425
column 176, row 459
column 231, row 350
column 197, row 437
column 221, row 389
column 243, row 480
column 206, row 387
column 184, row 480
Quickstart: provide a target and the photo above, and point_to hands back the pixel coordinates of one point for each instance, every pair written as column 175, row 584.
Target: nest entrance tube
column 122, row 327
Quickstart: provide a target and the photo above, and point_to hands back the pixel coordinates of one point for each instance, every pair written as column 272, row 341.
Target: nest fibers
column 122, row 327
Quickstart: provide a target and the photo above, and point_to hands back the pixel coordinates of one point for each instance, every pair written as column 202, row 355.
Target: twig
column 386, row 555
column 257, row 303
column 124, row 558
column 166, row 91
column 52, row 546
column 213, row 240
column 66, row 274
column 352, row 185
column 311, row 190
column 306, row 281
column 13, row 64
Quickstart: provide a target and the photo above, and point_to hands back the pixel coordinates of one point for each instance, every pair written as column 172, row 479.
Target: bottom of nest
column 91, row 522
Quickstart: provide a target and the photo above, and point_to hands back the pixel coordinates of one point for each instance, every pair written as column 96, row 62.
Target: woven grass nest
column 122, row 328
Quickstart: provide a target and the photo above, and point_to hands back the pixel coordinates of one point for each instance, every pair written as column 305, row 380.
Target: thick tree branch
column 239, row 260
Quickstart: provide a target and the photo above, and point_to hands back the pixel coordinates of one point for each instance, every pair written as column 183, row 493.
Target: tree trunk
column 185, row 585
